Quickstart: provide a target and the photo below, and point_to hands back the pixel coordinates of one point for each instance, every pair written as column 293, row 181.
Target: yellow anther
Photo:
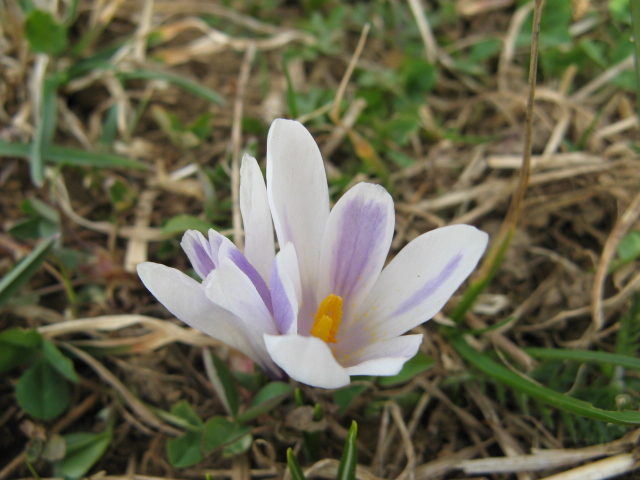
column 327, row 320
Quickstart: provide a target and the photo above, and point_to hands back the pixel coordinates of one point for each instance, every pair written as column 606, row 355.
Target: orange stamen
column 327, row 319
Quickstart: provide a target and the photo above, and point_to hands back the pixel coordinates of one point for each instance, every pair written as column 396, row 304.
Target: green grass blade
column 349, row 460
column 478, row 286
column 585, row 356
column 539, row 392
column 635, row 23
column 294, row 467
column 72, row 156
column 24, row 270
column 186, row 84
column 45, row 129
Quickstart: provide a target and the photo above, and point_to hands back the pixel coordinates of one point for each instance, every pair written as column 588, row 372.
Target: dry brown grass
column 553, row 282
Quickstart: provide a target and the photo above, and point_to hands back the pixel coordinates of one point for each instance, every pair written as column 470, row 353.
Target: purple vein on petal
column 198, row 249
column 363, row 227
column 249, row 270
column 282, row 309
column 429, row 287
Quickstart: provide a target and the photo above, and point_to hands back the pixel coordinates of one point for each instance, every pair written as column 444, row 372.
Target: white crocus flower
column 322, row 308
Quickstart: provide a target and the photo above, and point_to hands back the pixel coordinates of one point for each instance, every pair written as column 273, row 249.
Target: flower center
column 327, row 320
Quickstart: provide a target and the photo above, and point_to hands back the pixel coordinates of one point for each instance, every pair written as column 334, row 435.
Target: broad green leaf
column 238, row 447
column 42, row 392
column 35, row 206
column 344, row 396
column 181, row 223
column 83, row 451
column 186, row 451
column 44, row 34
column 418, row 364
column 185, row 411
column 219, row 431
column 294, row 467
column 60, row 362
column 17, row 346
column 539, row 392
column 71, row 156
column 23, row 271
column 349, row 460
column 271, row 395
column 419, row 77
column 628, row 250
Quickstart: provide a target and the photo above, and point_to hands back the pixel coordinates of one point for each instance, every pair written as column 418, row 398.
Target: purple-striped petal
column 256, row 217
column 185, row 298
column 306, row 359
column 230, row 251
column 355, row 246
column 384, row 358
column 198, row 249
column 286, row 290
column 299, row 200
column 228, row 287
column 417, row 283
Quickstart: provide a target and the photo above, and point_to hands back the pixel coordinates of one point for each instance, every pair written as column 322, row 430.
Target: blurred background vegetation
column 121, row 125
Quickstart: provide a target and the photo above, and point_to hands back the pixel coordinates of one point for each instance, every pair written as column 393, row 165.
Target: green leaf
column 539, row 392
column 238, row 447
column 419, row 78
column 418, row 364
column 585, row 356
column 190, row 86
column 291, row 93
column 24, row 270
column 83, row 451
column 628, row 250
column 181, row 223
column 57, row 360
column 344, row 396
column 223, row 383
column 35, row 206
column 349, row 460
column 271, row 395
column 44, row 34
column 17, row 346
column 45, row 128
column 628, row 337
column 42, row 392
column 185, row 411
column 186, row 451
column 219, row 431
column 71, row 156
column 294, row 467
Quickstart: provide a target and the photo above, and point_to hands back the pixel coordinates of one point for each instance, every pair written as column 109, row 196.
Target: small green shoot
column 25, row 269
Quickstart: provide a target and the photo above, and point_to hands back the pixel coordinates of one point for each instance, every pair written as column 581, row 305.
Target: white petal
column 386, row 357
column 306, row 359
column 417, row 283
column 355, row 246
column 228, row 287
column 185, row 298
column 285, row 290
column 299, row 199
column 259, row 245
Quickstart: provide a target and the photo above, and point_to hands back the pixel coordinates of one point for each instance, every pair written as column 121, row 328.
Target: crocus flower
column 322, row 308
